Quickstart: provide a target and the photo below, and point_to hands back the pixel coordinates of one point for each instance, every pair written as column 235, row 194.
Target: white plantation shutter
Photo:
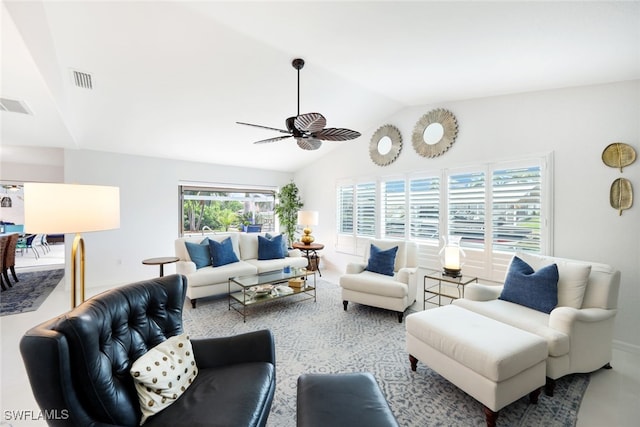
column 366, row 209
column 393, row 206
column 345, row 209
column 466, row 213
column 516, row 209
column 424, row 208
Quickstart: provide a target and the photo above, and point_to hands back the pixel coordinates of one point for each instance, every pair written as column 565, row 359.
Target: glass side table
column 449, row 287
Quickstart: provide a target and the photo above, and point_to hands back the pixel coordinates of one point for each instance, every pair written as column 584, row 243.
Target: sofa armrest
column 356, row 267
column 480, row 292
column 257, row 346
column 294, row 253
column 565, row 319
column 185, row 267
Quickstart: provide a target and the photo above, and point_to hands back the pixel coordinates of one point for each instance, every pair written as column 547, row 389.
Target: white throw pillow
column 572, row 277
column 163, row 374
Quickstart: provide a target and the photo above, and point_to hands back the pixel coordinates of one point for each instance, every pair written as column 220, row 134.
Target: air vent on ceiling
column 82, row 79
column 14, row 106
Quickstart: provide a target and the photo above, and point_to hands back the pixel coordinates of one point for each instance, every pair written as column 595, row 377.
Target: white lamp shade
column 70, row 208
column 308, row 217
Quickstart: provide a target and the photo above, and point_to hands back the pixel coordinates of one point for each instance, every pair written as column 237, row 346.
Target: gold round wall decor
column 434, row 133
column 385, row 145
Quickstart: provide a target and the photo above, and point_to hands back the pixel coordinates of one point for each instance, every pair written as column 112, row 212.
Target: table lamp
column 307, row 218
column 70, row 208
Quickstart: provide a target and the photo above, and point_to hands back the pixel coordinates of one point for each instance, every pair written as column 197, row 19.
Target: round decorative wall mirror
column 434, row 133
column 385, row 145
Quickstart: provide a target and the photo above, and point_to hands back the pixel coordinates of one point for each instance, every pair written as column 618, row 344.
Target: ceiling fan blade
column 263, row 127
column 309, row 143
column 310, row 122
column 336, row 134
column 277, row 138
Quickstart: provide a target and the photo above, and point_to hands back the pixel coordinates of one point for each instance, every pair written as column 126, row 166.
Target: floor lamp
column 71, row 208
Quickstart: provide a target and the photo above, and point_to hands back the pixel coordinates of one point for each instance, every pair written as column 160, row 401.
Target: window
column 223, row 209
column 424, row 208
column 498, row 207
column 516, row 209
column 466, row 202
column 366, row 209
column 393, row 205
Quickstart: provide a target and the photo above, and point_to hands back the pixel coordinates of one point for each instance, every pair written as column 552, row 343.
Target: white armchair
column 395, row 292
column 579, row 331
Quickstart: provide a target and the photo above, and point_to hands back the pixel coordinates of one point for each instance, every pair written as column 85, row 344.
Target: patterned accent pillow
column 222, row 253
column 199, row 253
column 163, row 374
column 534, row 289
column 380, row 261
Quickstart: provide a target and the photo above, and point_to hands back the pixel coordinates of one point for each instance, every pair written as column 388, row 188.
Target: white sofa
column 208, row 281
column 395, row 292
column 578, row 332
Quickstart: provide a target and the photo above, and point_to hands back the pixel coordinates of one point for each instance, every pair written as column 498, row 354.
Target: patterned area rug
column 31, row 291
column 322, row 337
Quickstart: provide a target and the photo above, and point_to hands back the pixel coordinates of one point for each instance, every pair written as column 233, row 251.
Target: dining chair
column 10, row 258
column 4, row 241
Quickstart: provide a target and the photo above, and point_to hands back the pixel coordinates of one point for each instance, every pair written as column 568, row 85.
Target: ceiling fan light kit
column 307, row 129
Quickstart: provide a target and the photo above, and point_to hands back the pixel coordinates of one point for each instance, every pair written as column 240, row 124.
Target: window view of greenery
column 219, row 209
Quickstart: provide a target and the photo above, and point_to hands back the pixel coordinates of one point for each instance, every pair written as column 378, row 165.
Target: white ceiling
column 171, row 78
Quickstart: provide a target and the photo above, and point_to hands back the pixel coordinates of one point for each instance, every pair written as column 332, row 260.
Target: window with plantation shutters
column 424, row 208
column 345, row 209
column 516, row 207
column 394, row 208
column 366, row 209
column 466, row 208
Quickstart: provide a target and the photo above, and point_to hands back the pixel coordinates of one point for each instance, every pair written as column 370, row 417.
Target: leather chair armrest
column 356, row 267
column 480, row 292
column 255, row 346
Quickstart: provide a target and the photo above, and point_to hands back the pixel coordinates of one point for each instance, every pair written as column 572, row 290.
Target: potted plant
column 287, row 207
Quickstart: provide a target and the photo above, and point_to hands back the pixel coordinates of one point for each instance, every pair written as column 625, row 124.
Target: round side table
column 161, row 261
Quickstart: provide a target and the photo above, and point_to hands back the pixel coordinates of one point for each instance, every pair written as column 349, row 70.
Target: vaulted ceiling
column 171, row 78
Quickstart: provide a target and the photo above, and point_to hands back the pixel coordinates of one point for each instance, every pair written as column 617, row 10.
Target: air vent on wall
column 14, row 106
column 82, row 80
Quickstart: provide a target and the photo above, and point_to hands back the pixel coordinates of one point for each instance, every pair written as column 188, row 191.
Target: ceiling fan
column 308, row 129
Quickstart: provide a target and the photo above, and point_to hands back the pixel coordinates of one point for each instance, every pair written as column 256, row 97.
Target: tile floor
column 611, row 399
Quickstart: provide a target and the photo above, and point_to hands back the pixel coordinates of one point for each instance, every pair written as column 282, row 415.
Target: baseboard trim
column 625, row 346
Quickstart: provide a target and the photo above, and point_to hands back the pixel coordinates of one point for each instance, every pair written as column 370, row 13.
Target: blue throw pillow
column 199, row 253
column 285, row 250
column 534, row 289
column 270, row 248
column 382, row 261
column 222, row 252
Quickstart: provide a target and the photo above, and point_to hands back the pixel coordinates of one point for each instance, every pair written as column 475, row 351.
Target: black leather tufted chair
column 78, row 364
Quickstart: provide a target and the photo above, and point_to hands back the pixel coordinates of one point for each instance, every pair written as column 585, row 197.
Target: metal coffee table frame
column 240, row 300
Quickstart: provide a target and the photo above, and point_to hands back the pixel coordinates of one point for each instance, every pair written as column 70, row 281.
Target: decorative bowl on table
column 261, row 290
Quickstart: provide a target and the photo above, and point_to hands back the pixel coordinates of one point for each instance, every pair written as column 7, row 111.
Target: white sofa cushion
column 521, row 317
column 248, row 246
column 374, row 283
column 572, row 277
column 211, row 275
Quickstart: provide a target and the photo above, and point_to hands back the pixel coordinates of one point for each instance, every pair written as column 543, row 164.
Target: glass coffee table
column 255, row 289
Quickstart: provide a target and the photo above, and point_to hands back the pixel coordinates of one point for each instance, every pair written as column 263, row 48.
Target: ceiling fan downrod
column 298, row 63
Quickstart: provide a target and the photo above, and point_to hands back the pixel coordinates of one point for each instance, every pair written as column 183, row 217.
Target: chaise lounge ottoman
column 491, row 361
column 336, row 400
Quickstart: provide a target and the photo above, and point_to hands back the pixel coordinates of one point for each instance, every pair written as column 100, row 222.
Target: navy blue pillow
column 534, row 289
column 382, row 261
column 285, row 250
column 199, row 253
column 222, row 252
column 270, row 248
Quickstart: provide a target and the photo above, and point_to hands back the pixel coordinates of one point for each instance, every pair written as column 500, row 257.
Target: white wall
column 149, row 209
column 575, row 124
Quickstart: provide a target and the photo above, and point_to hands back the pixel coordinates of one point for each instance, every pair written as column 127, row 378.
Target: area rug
column 322, row 337
column 30, row 292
